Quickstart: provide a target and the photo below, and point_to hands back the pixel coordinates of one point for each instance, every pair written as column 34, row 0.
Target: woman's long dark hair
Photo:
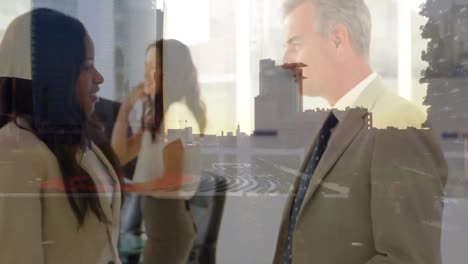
column 179, row 77
column 50, row 103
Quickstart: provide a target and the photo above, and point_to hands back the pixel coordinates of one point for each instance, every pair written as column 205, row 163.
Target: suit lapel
column 302, row 169
column 284, row 228
column 341, row 139
column 112, row 209
column 104, row 160
column 304, row 165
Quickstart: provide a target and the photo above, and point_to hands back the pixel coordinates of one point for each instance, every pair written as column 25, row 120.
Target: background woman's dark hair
column 179, row 81
column 50, row 102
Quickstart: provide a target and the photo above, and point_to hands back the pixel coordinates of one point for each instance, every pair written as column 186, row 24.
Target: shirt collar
column 350, row 98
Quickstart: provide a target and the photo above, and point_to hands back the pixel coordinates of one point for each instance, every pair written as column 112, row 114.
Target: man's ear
column 339, row 35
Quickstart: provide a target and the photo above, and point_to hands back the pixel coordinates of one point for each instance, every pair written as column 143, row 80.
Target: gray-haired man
column 390, row 171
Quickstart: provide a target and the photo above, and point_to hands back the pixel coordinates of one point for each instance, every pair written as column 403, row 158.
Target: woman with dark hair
column 58, row 176
column 163, row 171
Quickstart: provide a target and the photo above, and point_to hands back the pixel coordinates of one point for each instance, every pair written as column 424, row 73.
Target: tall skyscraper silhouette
column 279, row 97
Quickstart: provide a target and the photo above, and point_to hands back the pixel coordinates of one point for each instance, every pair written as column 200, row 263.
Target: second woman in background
column 170, row 77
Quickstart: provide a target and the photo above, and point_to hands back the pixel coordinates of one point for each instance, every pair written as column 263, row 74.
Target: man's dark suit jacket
column 376, row 194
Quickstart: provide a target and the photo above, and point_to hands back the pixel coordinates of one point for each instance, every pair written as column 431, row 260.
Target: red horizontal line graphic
column 167, row 182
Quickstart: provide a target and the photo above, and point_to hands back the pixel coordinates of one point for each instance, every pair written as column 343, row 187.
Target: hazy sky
column 227, row 45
